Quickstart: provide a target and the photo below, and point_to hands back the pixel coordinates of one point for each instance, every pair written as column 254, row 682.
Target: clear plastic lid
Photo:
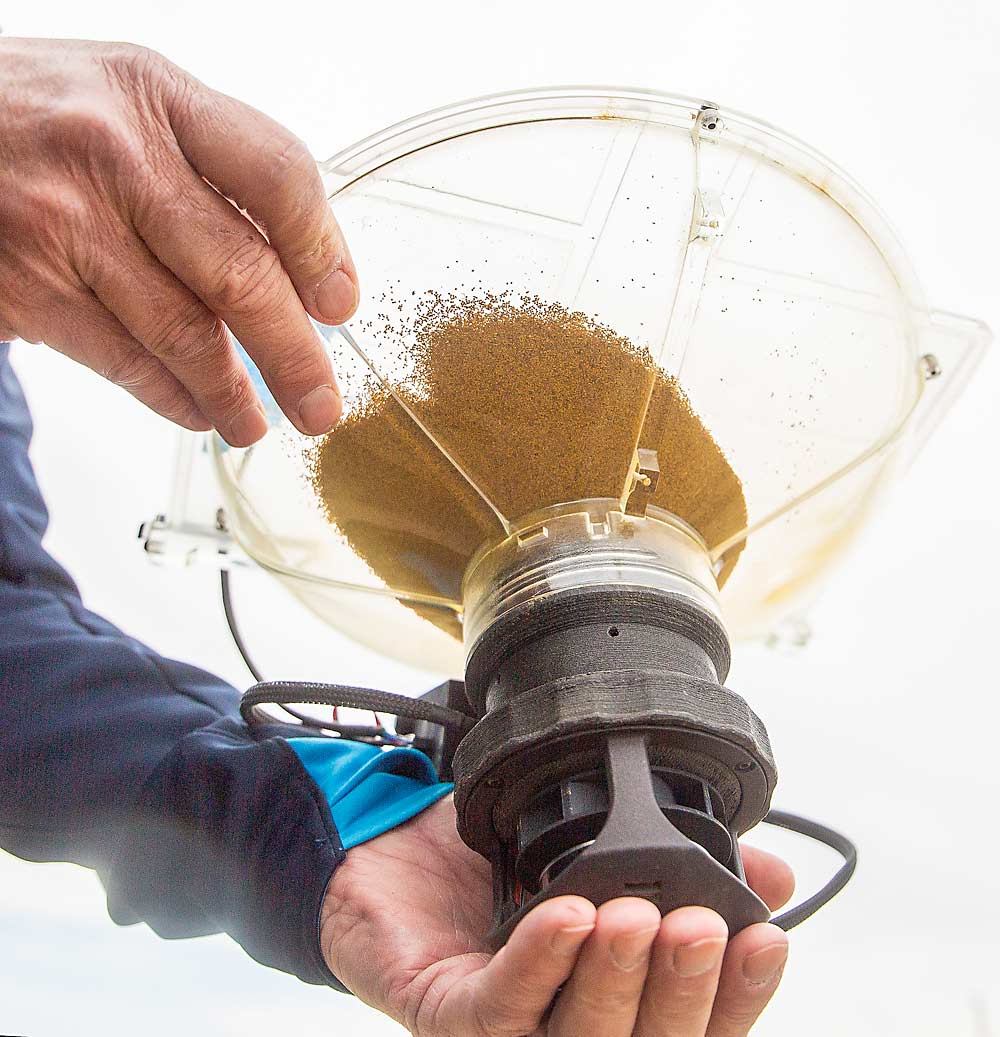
column 554, row 282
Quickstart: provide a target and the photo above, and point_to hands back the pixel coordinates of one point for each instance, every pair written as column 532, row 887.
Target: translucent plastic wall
column 738, row 261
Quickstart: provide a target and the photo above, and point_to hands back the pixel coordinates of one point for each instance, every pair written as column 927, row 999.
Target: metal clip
column 642, row 484
column 709, row 221
column 187, row 543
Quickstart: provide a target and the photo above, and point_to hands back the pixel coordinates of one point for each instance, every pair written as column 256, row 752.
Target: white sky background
column 884, row 725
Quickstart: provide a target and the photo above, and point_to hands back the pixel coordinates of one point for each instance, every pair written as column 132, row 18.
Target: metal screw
column 709, row 116
column 932, row 366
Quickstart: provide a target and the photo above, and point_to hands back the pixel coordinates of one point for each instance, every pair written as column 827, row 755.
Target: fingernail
column 570, row 937
column 247, row 427
column 695, row 959
column 764, row 965
column 336, row 297
column 319, row 410
column 631, row 949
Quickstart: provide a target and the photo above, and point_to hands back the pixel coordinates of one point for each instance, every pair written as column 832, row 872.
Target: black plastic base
column 635, row 849
column 608, row 761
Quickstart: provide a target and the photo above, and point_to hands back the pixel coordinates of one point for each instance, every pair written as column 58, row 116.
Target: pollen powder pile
column 539, row 406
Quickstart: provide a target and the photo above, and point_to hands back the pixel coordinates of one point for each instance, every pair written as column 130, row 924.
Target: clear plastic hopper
column 741, row 267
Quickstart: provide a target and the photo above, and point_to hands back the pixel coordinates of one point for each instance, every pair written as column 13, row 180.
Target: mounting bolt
column 932, row 366
column 708, row 117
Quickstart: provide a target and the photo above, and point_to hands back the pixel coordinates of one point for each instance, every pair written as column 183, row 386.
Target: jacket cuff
column 231, row 834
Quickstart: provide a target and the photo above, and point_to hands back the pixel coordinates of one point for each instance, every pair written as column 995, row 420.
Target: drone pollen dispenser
column 629, row 373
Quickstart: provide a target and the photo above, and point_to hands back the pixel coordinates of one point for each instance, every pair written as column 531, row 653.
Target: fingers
column 603, row 994
column 750, row 975
column 227, row 263
column 513, row 992
column 183, row 334
column 269, row 172
column 768, row 876
column 94, row 337
column 634, row 975
column 683, row 974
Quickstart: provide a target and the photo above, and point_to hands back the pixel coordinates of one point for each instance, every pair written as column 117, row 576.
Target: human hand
column 123, row 243
column 403, row 926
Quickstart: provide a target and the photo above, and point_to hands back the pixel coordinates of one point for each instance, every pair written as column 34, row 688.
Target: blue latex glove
column 369, row 790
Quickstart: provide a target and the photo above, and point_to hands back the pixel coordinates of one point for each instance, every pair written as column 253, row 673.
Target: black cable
column 280, row 693
column 234, row 630
column 344, row 729
column 813, row 830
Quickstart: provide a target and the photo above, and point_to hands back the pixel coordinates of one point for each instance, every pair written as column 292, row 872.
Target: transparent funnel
column 672, row 310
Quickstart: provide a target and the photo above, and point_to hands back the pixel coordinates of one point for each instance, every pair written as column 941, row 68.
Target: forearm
column 194, row 825
column 138, row 766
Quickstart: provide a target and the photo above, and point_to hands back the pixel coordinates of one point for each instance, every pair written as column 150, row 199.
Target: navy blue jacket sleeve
column 140, row 767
